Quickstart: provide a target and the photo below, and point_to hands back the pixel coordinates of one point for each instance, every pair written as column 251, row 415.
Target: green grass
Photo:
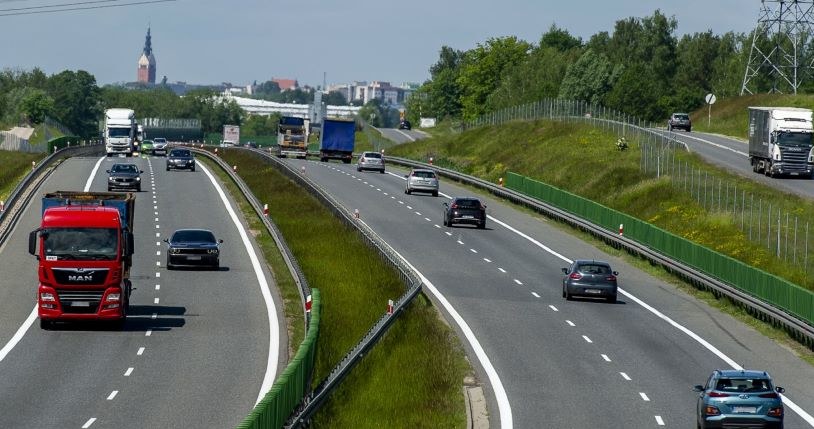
column 583, row 160
column 730, row 115
column 13, row 167
column 414, row 376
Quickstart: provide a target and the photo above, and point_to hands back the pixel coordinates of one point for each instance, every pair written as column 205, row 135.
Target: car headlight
column 212, row 251
column 113, row 297
column 111, row 179
column 138, row 179
column 175, row 251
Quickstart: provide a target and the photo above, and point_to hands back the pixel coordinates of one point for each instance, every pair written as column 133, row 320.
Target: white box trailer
column 120, row 131
column 780, row 141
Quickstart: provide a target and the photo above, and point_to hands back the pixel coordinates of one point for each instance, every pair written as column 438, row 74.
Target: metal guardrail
column 313, row 401
column 803, row 331
column 24, row 191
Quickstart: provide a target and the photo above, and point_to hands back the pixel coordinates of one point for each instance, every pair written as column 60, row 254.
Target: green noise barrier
column 293, row 384
column 769, row 288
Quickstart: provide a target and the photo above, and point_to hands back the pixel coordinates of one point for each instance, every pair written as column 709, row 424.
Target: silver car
column 589, row 278
column 421, row 180
column 159, row 146
column 370, row 161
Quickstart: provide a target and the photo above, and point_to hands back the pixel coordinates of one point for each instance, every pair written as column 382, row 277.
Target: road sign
column 710, row 98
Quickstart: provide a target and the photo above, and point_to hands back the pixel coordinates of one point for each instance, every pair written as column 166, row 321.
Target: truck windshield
column 118, row 132
column 794, row 139
column 80, row 243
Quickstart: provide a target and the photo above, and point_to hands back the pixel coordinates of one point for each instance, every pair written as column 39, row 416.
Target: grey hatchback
column 421, row 180
column 739, row 398
column 589, row 278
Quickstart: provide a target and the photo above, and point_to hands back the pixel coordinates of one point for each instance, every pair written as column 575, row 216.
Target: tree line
column 642, row 68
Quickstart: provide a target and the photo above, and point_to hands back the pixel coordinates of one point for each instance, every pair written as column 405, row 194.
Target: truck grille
column 794, row 160
column 80, row 301
column 80, row 276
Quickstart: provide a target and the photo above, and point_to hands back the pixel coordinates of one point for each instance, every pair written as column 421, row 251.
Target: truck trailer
column 337, row 140
column 84, row 249
column 780, row 141
column 291, row 135
column 120, row 132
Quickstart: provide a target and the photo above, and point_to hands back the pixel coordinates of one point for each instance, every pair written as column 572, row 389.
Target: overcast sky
column 239, row 41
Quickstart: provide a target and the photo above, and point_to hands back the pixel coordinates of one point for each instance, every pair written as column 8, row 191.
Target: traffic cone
column 265, row 210
column 356, row 213
column 621, row 229
column 430, row 160
column 308, row 304
column 500, row 182
column 390, row 306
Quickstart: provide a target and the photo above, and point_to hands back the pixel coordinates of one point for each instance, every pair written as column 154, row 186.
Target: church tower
column 146, row 62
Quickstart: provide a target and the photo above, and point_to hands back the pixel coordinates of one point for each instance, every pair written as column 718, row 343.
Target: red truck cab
column 84, row 246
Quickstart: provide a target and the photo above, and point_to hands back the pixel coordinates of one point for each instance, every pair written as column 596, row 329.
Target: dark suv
column 405, row 125
column 180, row 159
column 465, row 210
column 124, row 176
column 679, row 120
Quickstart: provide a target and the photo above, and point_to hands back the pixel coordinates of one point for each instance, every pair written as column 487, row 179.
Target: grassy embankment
column 413, row 377
column 13, row 167
column 583, row 160
column 729, row 116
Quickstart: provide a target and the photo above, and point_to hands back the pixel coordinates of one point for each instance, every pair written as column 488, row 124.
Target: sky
column 242, row 41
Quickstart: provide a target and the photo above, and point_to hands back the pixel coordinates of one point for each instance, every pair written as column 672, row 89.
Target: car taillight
column 610, row 278
column 769, row 395
column 575, row 276
column 718, row 395
column 776, row 412
column 711, row 411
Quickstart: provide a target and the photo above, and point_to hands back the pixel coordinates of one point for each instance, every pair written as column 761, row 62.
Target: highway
column 198, row 347
column 548, row 362
column 402, row 136
column 733, row 156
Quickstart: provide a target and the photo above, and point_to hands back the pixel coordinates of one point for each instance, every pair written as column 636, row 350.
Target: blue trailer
column 337, row 139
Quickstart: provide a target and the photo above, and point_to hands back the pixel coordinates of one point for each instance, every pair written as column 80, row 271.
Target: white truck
column 231, row 133
column 120, row 131
column 780, row 141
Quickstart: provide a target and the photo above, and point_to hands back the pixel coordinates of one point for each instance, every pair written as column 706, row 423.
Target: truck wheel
column 323, row 159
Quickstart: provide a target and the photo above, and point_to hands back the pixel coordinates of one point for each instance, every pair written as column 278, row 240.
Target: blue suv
column 739, row 398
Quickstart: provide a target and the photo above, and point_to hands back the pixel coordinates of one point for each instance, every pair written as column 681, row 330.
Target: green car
column 147, row 147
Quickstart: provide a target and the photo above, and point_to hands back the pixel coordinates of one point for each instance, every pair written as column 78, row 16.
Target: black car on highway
column 589, row 278
column 466, row 210
column 180, row 159
column 405, row 125
column 124, row 176
column 193, row 247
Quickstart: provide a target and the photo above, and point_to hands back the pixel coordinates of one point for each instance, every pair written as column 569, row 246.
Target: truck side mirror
column 32, row 242
column 130, row 244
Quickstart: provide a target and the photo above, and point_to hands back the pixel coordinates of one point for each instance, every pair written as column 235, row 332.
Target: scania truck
column 84, row 249
column 120, row 132
column 291, row 137
column 780, row 141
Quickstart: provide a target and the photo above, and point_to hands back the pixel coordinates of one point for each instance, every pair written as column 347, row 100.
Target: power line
column 56, row 5
column 33, row 12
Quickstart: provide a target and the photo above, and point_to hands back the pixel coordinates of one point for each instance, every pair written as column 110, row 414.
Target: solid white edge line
column 504, row 408
column 720, row 146
column 33, row 315
column 271, row 310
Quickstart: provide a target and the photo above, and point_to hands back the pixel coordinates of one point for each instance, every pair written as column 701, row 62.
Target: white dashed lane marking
column 112, row 395
column 607, row 359
column 644, row 397
column 448, row 233
column 88, row 423
column 128, row 372
column 535, row 294
column 553, row 308
column 473, row 250
column 570, row 323
column 587, row 339
column 156, row 300
column 625, row 376
column 486, row 260
column 140, row 351
column 659, row 421
column 502, row 270
column 518, row 282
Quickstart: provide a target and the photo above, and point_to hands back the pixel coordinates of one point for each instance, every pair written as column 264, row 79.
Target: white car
column 227, row 143
column 422, row 180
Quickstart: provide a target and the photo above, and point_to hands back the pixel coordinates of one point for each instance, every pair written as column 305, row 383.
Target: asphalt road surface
column 197, row 348
column 548, row 362
column 402, row 136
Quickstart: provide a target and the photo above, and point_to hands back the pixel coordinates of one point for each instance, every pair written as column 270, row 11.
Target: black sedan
column 193, row 247
column 124, row 176
column 589, row 278
column 405, row 125
column 180, row 159
column 465, row 210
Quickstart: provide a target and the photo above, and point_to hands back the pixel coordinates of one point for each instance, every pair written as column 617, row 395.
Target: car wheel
column 407, row 191
column 445, row 221
column 612, row 299
column 358, row 169
column 46, row 325
column 482, row 225
column 192, row 169
column 568, row 296
column 563, row 291
column 689, row 129
column 435, row 193
column 381, row 171
column 138, row 189
column 669, row 127
column 168, row 168
column 109, row 189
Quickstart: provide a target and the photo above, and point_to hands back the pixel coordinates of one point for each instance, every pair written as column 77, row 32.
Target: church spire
column 148, row 44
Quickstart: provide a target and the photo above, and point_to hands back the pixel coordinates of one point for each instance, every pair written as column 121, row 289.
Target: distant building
column 364, row 92
column 286, row 84
column 146, row 62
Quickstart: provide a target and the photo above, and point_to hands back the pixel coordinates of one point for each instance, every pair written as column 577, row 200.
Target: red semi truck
column 84, row 246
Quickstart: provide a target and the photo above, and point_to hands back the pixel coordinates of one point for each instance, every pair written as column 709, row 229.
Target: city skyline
column 214, row 41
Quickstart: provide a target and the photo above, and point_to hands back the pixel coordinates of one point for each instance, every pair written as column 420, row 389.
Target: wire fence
column 783, row 231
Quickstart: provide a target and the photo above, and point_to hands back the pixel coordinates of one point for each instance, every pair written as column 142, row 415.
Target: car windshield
column 594, row 269
column 124, row 168
column 160, row 140
column 681, row 117
column 80, row 243
column 794, row 139
column 424, row 174
column 372, row 155
column 118, row 132
column 180, row 153
column 193, row 236
column 744, row 385
column 468, row 203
